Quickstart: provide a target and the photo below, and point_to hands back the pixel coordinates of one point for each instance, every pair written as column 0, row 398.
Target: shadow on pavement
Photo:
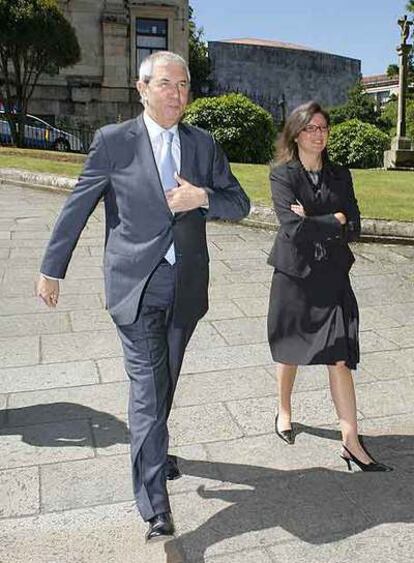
column 63, row 424
column 316, row 505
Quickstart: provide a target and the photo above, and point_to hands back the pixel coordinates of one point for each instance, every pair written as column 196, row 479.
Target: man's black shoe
column 171, row 468
column 160, row 527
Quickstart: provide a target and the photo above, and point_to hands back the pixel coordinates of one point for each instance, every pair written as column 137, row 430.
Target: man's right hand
column 48, row 290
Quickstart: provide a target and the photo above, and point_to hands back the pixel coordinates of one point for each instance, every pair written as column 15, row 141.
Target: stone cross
column 405, row 24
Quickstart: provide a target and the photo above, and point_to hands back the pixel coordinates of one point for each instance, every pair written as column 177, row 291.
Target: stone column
column 403, row 52
column 401, row 154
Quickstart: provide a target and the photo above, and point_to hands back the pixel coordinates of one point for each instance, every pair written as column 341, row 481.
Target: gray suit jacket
column 139, row 224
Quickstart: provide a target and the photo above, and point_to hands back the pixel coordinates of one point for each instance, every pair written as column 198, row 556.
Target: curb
column 376, row 230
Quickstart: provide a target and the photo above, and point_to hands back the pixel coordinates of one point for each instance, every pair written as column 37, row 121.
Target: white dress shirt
column 155, row 134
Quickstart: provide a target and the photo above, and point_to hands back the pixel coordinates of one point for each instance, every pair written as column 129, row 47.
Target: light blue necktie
column 167, row 171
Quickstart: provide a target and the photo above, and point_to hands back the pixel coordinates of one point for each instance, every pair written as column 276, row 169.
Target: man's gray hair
column 146, row 68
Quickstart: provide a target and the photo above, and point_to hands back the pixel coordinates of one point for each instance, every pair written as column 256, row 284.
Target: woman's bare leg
column 343, row 394
column 286, row 374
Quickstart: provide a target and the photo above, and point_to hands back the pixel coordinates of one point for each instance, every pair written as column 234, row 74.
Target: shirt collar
column 154, row 129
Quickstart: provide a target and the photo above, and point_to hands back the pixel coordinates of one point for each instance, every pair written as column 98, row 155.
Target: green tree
column 198, row 57
column 392, row 70
column 358, row 106
column 35, row 38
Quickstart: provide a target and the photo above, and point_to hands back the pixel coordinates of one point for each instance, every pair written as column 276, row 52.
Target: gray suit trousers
column 153, row 354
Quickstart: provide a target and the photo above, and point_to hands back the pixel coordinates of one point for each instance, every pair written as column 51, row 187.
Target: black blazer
column 293, row 251
column 140, row 227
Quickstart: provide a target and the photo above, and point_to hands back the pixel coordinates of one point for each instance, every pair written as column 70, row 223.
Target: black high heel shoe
column 288, row 436
column 372, row 466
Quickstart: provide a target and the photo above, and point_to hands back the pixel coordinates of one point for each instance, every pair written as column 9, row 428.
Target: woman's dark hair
column 286, row 146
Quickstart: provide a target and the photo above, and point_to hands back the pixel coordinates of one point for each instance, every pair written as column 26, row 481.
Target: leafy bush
column 245, row 130
column 357, row 144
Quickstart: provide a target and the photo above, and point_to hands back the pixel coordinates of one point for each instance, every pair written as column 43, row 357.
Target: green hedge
column 245, row 130
column 357, row 144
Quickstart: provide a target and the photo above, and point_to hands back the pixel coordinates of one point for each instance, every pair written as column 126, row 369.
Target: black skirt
column 313, row 320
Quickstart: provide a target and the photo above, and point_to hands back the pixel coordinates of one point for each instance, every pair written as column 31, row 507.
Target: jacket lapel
column 301, row 184
column 187, row 152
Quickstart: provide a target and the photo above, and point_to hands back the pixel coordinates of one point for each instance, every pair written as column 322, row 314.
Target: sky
column 362, row 29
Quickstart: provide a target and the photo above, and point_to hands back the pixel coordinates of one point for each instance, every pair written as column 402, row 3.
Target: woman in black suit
column 313, row 313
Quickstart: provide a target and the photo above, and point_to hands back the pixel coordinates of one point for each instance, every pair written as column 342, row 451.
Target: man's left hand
column 186, row 196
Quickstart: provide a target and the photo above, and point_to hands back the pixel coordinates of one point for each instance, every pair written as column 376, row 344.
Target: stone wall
column 277, row 73
column 101, row 87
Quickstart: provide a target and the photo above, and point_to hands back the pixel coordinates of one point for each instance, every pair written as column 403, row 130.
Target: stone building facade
column 280, row 76
column 114, row 36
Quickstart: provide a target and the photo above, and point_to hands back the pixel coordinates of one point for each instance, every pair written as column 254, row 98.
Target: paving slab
column 98, row 319
column 30, row 325
column 80, row 346
column 201, row 429
column 235, row 290
column 402, row 336
column 219, row 309
column 25, row 305
column 403, row 313
column 376, row 319
column 253, row 307
column 205, row 336
column 224, row 385
column 389, row 398
column 84, row 483
column 226, row 357
column 83, row 286
column 47, row 376
column 389, row 364
column 112, row 369
column 242, row 331
column 373, row 341
column 21, row 351
column 19, row 492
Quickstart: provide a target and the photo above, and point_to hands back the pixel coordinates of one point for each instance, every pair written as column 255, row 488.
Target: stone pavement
column 65, row 492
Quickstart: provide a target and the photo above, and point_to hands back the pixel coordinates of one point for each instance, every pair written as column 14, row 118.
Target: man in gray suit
column 156, row 258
